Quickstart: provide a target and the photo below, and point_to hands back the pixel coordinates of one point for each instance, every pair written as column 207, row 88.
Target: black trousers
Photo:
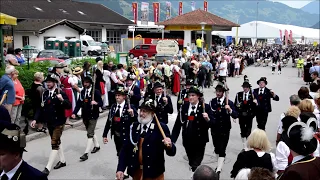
column 118, row 143
column 220, row 142
column 195, row 153
column 262, row 118
column 222, row 79
column 245, row 123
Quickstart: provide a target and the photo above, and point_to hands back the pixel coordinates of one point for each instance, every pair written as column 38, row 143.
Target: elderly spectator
column 20, row 97
column 36, row 99
column 18, row 55
column 6, row 84
column 10, row 58
column 205, row 172
column 260, row 174
column 258, row 156
column 294, row 101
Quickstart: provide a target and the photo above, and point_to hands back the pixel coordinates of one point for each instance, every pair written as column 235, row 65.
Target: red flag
column 180, row 8
column 135, row 12
column 286, row 36
column 156, row 10
column 205, row 5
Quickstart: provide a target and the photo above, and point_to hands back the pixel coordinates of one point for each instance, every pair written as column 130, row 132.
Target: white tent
column 267, row 30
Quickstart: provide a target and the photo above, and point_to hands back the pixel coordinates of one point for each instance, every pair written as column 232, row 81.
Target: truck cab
column 89, row 46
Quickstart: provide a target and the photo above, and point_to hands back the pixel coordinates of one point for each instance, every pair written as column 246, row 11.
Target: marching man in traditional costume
column 53, row 106
column 302, row 144
column 12, row 144
column 195, row 118
column 263, row 96
column 133, row 90
column 222, row 109
column 245, row 106
column 183, row 94
column 143, row 154
column 120, row 117
column 90, row 101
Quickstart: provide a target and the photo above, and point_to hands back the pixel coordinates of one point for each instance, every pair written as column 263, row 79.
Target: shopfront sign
column 187, row 28
column 167, row 47
column 7, row 39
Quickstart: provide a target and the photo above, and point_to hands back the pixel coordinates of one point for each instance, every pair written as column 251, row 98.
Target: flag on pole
column 193, row 5
column 135, row 12
column 205, row 5
column 156, row 11
column 144, row 13
column 168, row 10
column 180, row 8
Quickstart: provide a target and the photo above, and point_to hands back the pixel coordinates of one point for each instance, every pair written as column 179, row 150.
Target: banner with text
column 168, row 10
column 135, row 12
column 156, row 11
column 144, row 13
column 193, row 5
column 180, row 8
column 205, row 5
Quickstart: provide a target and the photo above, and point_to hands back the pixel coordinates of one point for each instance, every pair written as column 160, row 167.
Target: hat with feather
column 262, row 79
column 221, row 87
column 301, row 137
column 11, row 137
column 149, row 105
column 196, row 90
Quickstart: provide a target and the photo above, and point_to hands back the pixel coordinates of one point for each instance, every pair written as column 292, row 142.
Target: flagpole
column 237, row 31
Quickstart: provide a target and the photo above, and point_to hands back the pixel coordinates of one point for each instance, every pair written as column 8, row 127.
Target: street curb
column 38, row 135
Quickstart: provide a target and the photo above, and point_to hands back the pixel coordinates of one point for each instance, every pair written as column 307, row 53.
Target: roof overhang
column 63, row 22
column 101, row 23
column 7, row 19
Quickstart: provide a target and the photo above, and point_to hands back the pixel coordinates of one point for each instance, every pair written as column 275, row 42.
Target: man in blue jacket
column 143, row 154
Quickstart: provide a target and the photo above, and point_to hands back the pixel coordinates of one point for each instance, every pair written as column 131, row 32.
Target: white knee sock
column 95, row 141
column 61, row 154
column 89, row 145
column 243, row 143
column 220, row 163
column 52, row 157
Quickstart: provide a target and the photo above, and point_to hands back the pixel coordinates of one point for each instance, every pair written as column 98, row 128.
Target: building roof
column 41, row 25
column 197, row 16
column 74, row 11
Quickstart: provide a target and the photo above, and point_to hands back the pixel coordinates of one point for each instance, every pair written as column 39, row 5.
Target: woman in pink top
column 20, row 94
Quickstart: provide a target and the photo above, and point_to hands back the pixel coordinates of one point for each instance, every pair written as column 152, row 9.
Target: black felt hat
column 52, row 78
column 131, row 76
column 196, row 90
column 157, row 85
column 148, row 104
column 220, row 87
column 301, row 137
column 120, row 90
column 246, row 84
column 190, row 82
column 262, row 79
column 11, row 137
column 88, row 79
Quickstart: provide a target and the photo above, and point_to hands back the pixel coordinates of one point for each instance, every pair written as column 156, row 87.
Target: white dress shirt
column 87, row 91
column 260, row 90
column 11, row 173
column 148, row 126
column 51, row 92
column 158, row 97
column 245, row 95
column 121, row 107
column 297, row 158
column 190, row 108
column 221, row 100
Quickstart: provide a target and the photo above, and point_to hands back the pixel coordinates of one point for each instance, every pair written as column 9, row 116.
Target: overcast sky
column 294, row 4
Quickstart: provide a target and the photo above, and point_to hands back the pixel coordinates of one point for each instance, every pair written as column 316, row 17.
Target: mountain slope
column 235, row 11
column 313, row 7
column 316, row 26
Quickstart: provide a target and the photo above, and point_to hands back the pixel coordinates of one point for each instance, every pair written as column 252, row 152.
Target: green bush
column 26, row 76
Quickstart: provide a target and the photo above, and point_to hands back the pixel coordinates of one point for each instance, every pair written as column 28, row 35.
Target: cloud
column 294, row 4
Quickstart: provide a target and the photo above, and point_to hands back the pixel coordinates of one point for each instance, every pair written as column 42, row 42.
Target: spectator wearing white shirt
column 223, row 70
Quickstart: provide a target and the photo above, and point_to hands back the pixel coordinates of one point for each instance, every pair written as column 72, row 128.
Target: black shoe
column 126, row 176
column 46, row 172
column 218, row 172
column 95, row 149
column 84, row 157
column 60, row 165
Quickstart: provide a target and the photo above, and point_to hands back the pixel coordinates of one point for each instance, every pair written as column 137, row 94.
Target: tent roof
column 270, row 30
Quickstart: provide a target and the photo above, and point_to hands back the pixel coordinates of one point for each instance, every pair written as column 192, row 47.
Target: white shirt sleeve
column 317, row 151
column 282, row 154
column 280, row 123
column 119, row 75
column 114, row 78
column 73, row 80
column 274, row 161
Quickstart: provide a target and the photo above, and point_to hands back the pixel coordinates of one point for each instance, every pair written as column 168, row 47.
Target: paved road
column 102, row 165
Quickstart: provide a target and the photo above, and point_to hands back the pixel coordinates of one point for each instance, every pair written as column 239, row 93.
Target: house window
column 95, row 34
column 69, row 37
column 114, row 36
column 25, row 40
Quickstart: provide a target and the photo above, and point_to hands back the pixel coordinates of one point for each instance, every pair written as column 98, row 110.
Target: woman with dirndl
column 77, row 87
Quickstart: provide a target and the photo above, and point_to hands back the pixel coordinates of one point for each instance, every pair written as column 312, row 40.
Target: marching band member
column 133, row 90
column 143, row 154
column 90, row 101
column 183, row 94
column 53, row 106
column 195, row 118
column 222, row 109
column 245, row 106
column 264, row 96
column 163, row 102
column 121, row 116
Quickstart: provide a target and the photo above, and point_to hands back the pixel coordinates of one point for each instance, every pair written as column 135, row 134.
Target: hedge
column 26, row 76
